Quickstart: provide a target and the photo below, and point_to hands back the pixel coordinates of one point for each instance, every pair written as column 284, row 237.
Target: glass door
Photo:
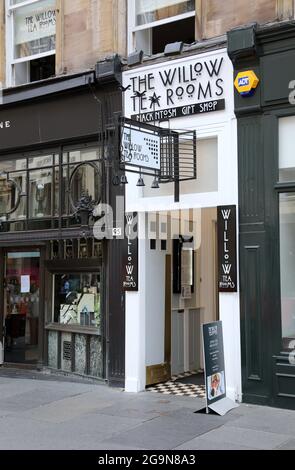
column 21, row 306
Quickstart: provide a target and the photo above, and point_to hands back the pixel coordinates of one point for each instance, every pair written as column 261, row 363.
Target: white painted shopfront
column 196, row 93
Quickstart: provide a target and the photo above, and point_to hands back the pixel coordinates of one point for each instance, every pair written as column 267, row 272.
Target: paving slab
column 202, row 444
column 289, row 445
column 269, row 420
column 83, row 433
column 249, row 437
column 169, row 431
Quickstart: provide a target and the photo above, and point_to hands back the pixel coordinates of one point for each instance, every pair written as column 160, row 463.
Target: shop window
column 30, row 39
column 287, row 261
column 153, row 23
column 286, row 149
column 37, row 190
column 77, row 299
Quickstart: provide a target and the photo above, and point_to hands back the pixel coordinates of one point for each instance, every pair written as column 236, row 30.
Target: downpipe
column 1, row 353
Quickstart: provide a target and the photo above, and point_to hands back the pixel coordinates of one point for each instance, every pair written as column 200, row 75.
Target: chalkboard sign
column 214, row 362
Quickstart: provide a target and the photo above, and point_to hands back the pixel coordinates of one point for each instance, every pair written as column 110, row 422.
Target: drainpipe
column 1, row 353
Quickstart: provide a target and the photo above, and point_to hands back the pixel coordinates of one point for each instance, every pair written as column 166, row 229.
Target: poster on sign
column 214, row 369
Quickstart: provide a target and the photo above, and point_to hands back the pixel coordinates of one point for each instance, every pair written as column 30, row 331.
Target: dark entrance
column 21, row 302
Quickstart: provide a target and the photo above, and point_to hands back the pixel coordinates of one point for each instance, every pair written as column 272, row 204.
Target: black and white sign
column 179, row 88
column 214, row 368
column 130, row 256
column 227, row 249
column 5, row 125
column 140, row 148
column 181, row 111
column 214, row 362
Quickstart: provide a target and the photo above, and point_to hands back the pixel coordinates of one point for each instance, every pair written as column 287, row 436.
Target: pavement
column 46, row 412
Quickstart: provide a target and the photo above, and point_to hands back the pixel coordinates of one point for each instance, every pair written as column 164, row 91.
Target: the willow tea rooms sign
column 130, row 254
column 196, row 85
column 227, row 248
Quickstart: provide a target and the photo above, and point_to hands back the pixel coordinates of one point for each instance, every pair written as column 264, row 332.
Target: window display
column 77, row 299
column 44, row 186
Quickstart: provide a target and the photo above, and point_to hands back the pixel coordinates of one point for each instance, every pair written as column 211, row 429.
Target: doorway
column 21, row 302
column 181, row 272
column 195, row 301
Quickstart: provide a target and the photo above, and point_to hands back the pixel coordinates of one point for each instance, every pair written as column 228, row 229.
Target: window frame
column 11, row 62
column 281, row 187
column 54, row 151
column 133, row 28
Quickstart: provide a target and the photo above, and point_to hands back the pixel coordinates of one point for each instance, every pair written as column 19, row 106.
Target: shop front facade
column 266, row 124
column 57, row 147
column 191, row 93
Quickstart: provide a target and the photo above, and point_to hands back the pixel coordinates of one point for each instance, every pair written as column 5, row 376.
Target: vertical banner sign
column 130, row 255
column 227, row 249
column 214, row 362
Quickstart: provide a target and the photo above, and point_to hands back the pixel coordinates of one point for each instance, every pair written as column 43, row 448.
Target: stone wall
column 89, row 30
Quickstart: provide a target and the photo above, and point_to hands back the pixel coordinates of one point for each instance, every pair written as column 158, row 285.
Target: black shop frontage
column 264, row 74
column 57, row 147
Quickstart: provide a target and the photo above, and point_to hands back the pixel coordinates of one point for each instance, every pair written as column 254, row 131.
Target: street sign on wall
column 227, row 249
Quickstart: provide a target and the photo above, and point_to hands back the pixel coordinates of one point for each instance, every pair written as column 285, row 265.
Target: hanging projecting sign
column 140, row 148
column 178, row 88
column 227, row 249
column 130, row 254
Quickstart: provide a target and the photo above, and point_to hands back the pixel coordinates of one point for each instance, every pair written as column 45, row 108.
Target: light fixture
column 173, row 48
column 107, row 69
column 116, row 180
column 155, row 184
column 124, row 179
column 140, row 182
column 135, row 58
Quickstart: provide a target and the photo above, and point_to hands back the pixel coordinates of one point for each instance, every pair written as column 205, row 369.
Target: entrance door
column 21, row 306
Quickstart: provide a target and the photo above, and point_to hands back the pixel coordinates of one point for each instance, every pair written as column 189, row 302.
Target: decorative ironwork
column 173, row 160
column 14, row 185
column 85, row 208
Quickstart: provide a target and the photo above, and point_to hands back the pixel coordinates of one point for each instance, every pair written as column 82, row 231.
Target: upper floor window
column 152, row 24
column 30, row 40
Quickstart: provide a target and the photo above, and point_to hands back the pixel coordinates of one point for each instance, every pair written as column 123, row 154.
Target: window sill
column 85, row 330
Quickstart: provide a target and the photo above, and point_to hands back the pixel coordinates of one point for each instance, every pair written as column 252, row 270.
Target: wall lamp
column 135, row 58
column 173, row 48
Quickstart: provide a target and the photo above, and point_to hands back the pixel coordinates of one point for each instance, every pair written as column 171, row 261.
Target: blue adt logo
column 244, row 81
